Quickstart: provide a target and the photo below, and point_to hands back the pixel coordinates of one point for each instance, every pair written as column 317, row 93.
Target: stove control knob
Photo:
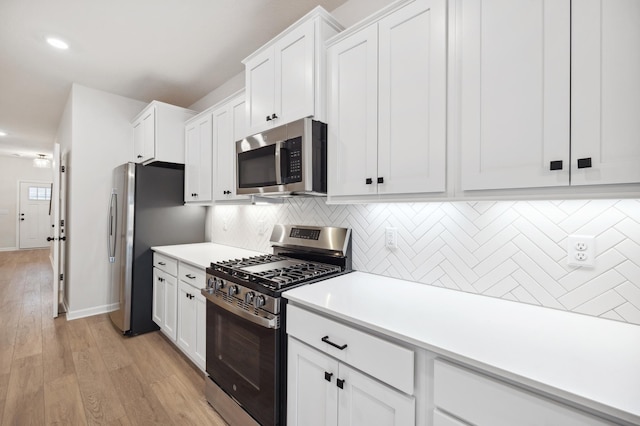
column 259, row 302
column 211, row 282
column 219, row 283
column 233, row 290
column 249, row 296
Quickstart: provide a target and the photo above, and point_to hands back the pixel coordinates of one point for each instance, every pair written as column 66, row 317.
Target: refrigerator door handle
column 113, row 225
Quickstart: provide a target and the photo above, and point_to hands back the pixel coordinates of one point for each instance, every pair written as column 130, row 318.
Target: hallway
column 54, row 371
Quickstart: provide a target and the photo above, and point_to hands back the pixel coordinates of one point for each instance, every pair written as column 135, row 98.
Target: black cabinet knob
column 340, row 383
column 369, row 181
column 268, row 118
column 139, row 156
column 380, row 180
column 50, row 239
column 555, row 165
column 327, row 376
column 63, row 238
column 584, row 163
column 274, row 116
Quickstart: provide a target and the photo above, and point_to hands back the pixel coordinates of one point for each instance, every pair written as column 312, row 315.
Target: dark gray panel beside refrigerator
column 146, row 209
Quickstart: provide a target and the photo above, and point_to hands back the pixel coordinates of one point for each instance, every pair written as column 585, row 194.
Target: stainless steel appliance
column 146, row 209
column 287, row 160
column 246, row 341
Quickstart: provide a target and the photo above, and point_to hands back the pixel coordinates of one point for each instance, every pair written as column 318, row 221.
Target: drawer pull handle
column 555, row 165
column 328, row 376
column 162, row 264
column 340, row 383
column 190, row 276
column 584, row 163
column 326, row 340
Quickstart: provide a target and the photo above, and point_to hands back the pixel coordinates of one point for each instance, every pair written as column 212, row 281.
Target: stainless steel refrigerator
column 146, row 209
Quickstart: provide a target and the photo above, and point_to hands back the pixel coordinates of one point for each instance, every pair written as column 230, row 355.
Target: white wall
column 100, row 139
column 13, row 170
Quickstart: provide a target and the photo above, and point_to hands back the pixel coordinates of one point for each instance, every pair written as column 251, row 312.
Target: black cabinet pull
column 274, row 116
column 369, row 181
column 161, row 279
column 326, row 340
column 161, row 263
column 327, row 376
column 139, row 156
column 63, row 238
column 340, row 383
column 584, row 163
column 380, row 180
column 555, row 165
column 268, row 118
column 190, row 276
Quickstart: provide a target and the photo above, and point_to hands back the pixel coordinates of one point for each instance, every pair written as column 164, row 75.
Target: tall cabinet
column 285, row 77
column 387, row 103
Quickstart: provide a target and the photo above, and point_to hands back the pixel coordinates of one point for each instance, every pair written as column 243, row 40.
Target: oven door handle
column 271, row 322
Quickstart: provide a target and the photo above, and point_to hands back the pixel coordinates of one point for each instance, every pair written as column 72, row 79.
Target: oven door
column 242, row 359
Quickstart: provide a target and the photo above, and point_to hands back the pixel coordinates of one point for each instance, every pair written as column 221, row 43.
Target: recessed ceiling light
column 57, row 43
column 3, row 133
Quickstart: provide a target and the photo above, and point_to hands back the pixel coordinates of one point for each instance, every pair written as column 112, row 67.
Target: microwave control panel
column 291, row 160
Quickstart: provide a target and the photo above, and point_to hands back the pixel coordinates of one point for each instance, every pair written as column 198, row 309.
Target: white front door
column 33, row 217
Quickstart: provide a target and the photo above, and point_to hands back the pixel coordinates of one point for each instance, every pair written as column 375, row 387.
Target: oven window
column 257, row 167
column 239, row 350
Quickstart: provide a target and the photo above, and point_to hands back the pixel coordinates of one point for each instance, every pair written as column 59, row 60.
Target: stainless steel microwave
column 286, row 160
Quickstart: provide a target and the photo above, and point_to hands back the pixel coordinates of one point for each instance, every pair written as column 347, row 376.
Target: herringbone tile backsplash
column 514, row 250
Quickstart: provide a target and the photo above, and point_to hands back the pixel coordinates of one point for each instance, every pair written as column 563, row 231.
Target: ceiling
column 175, row 51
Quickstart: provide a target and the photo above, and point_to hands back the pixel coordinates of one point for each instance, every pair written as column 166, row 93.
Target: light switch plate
column 581, row 250
column 391, row 238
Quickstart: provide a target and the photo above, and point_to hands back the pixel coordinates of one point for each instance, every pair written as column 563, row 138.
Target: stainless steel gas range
column 246, row 316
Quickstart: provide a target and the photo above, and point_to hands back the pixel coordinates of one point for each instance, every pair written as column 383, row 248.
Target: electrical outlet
column 391, row 238
column 581, row 250
column 262, row 227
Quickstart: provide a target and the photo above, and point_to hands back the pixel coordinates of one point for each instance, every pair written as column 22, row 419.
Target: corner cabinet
column 387, row 103
column 285, row 78
column 338, row 375
column 158, row 133
column 540, row 105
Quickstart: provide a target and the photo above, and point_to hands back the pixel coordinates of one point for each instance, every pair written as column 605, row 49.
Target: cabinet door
column 158, row 297
column 312, row 394
column 412, row 99
column 170, row 306
column 200, row 348
column 197, row 179
column 186, row 318
column 295, row 74
column 365, row 401
column 223, row 141
column 239, row 133
column 149, row 135
column 605, row 93
column 138, row 141
column 353, row 106
column 514, row 69
column 260, row 84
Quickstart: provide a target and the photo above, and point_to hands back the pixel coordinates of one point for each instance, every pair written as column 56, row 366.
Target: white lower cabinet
column 464, row 397
column 179, row 309
column 165, row 287
column 333, row 390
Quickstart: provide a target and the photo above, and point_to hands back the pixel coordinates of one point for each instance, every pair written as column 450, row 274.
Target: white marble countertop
column 202, row 254
column 591, row 361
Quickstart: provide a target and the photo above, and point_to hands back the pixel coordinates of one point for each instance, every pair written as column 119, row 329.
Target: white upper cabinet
column 284, row 78
column 514, row 93
column 387, row 103
column 158, row 133
column 198, row 167
column 229, row 127
column 605, row 92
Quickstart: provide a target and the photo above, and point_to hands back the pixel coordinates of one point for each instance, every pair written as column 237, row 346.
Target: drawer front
column 192, row 275
column 442, row 419
column 165, row 263
column 386, row 361
column 482, row 400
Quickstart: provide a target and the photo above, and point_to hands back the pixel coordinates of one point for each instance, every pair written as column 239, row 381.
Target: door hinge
column 61, row 222
column 63, row 169
column 61, row 277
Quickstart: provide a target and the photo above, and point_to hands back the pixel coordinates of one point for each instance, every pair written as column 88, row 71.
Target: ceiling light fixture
column 57, row 43
column 3, row 133
column 41, row 162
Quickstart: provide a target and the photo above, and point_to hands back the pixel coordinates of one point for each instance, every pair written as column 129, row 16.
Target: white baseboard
column 89, row 312
column 9, row 249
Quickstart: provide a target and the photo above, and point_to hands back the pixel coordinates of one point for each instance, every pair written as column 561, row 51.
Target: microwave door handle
column 284, row 165
column 278, row 147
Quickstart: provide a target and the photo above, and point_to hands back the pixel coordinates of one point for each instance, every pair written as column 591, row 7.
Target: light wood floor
column 54, row 371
